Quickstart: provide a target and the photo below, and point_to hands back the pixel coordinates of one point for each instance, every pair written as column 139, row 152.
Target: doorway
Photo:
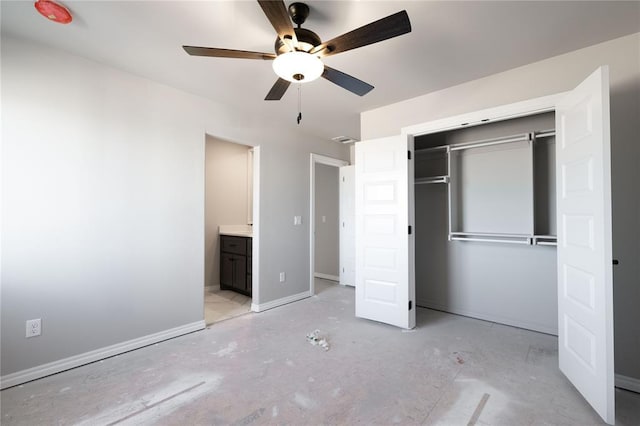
column 230, row 194
column 324, row 230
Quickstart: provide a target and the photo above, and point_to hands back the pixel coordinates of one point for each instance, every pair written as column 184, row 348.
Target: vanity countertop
column 236, row 230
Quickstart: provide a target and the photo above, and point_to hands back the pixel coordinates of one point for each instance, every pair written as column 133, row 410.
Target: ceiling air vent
column 344, row 139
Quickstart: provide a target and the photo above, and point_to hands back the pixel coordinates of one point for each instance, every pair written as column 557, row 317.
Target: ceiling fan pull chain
column 299, row 103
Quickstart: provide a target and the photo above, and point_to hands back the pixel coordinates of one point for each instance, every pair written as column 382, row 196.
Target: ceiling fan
column 298, row 50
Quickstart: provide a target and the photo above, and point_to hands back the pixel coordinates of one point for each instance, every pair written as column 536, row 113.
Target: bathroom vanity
column 235, row 259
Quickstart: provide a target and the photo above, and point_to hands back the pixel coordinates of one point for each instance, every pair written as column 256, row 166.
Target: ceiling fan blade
column 346, row 81
column 226, row 53
column 278, row 89
column 276, row 12
column 382, row 29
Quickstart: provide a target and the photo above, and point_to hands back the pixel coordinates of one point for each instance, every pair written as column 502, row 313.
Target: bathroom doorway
column 229, row 216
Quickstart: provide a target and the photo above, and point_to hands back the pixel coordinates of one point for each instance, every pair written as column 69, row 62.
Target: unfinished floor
column 260, row 369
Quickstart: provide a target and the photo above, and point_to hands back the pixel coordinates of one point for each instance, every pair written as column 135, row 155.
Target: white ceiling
column 451, row 42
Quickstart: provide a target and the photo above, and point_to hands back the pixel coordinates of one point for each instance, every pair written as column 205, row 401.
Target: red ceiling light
column 53, row 11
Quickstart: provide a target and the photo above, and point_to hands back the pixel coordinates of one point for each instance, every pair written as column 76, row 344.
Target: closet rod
column 433, row 149
column 546, row 243
column 490, row 234
column 434, row 179
column 520, row 138
column 491, row 240
column 545, row 134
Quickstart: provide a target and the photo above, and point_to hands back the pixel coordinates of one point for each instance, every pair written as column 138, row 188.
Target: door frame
column 476, row 118
column 254, row 174
column 327, row 161
column 255, row 230
column 485, row 116
column 346, row 222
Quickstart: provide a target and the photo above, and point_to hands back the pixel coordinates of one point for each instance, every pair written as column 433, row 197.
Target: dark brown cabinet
column 235, row 264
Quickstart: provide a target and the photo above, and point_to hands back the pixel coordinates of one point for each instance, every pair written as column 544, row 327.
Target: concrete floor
column 220, row 305
column 260, row 369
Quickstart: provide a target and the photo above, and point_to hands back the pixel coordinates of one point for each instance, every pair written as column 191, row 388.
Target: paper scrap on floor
column 316, row 340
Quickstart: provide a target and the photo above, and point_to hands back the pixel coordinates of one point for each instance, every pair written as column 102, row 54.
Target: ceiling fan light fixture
column 298, row 67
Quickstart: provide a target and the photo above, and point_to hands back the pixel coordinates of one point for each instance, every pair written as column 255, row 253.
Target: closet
column 485, row 230
column 460, row 214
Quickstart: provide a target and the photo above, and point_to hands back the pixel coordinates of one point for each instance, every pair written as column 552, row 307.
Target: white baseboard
column 628, row 383
column 44, row 370
column 541, row 328
column 260, row 307
column 326, row 276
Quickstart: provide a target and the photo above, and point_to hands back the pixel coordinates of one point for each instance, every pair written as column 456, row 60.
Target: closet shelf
column 432, row 179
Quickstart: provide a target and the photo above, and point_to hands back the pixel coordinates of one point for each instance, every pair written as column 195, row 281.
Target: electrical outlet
column 297, row 220
column 34, row 327
column 282, row 277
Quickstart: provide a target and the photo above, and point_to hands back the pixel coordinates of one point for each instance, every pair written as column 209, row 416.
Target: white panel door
column 384, row 285
column 585, row 282
column 347, row 226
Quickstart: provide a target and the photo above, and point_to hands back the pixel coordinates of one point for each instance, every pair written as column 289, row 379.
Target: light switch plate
column 297, row 220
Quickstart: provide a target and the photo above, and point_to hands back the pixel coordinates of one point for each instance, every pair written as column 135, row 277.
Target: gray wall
column 226, row 190
column 547, row 77
column 506, row 283
column 327, row 256
column 103, row 203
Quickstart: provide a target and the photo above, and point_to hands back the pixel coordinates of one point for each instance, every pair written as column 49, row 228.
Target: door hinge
column 409, row 155
column 410, row 304
column 409, row 229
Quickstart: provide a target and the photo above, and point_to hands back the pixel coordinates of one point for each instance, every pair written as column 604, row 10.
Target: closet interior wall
column 495, row 188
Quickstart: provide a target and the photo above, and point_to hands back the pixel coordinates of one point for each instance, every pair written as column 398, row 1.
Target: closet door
column 384, row 199
column 347, row 226
column 585, row 282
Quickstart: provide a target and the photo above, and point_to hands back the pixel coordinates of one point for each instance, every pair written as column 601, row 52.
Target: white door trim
column 476, row 118
column 347, row 224
column 328, row 161
column 255, row 241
